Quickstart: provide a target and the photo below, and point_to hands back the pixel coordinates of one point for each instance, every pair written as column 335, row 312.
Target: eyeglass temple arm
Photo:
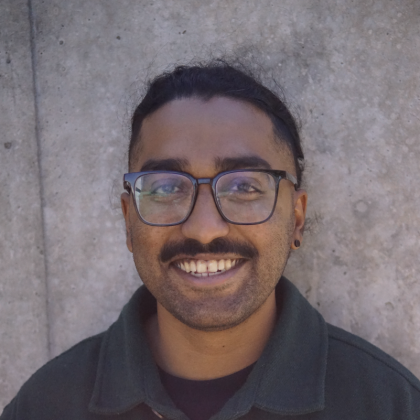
column 127, row 187
column 292, row 179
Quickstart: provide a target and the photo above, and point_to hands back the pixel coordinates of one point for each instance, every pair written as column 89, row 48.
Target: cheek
column 278, row 229
column 273, row 237
column 147, row 242
column 273, row 240
column 283, row 218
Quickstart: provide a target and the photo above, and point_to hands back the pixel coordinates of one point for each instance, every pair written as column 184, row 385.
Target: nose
column 205, row 222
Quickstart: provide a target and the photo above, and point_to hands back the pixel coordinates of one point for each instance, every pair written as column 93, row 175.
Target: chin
column 215, row 313
column 210, row 322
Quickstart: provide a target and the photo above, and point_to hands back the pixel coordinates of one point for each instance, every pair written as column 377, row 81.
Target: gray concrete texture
column 23, row 320
column 349, row 68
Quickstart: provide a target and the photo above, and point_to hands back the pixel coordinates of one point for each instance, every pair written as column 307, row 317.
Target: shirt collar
column 288, row 378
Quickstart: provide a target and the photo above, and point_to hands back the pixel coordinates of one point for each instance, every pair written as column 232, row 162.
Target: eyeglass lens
column 243, row 197
column 246, row 197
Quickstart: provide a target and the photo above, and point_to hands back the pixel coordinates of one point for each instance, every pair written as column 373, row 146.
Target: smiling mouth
column 207, row 268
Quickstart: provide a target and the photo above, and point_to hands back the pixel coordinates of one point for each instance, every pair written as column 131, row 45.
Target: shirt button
column 159, row 415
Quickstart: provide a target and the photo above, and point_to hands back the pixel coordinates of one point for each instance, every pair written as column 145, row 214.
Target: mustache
column 192, row 247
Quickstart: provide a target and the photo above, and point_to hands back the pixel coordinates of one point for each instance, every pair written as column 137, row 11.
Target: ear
column 300, row 200
column 125, row 206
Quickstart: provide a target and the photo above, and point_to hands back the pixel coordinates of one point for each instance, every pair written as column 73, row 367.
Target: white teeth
column 212, row 266
column 202, row 268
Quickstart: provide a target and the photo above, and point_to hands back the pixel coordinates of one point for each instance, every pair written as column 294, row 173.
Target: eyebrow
column 241, row 162
column 179, row 165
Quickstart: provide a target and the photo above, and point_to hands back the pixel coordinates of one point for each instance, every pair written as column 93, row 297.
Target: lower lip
column 210, row 280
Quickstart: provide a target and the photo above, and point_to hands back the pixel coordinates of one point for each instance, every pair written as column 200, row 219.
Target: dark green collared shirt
column 309, row 370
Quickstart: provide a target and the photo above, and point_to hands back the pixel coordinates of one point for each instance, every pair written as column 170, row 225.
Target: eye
column 168, row 191
column 241, row 189
column 244, row 187
column 165, row 189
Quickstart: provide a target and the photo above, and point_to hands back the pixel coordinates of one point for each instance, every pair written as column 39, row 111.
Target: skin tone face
column 212, row 326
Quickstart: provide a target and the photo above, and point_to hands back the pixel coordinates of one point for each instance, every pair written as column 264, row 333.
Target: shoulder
column 360, row 353
column 66, row 380
column 74, row 366
column 363, row 375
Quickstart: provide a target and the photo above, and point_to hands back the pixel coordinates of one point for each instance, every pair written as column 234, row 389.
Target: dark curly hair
column 218, row 78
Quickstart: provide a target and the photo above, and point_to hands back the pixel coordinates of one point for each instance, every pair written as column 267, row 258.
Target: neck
column 193, row 354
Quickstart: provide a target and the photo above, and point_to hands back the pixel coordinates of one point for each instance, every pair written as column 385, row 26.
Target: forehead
column 203, row 133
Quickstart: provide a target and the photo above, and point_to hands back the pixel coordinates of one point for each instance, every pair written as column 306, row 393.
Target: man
column 213, row 207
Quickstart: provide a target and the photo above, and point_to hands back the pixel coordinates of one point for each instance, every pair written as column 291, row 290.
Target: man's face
column 203, row 139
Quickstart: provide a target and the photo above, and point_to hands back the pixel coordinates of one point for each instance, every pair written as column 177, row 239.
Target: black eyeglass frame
column 131, row 178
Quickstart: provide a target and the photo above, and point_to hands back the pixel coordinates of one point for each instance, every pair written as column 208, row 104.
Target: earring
column 297, row 243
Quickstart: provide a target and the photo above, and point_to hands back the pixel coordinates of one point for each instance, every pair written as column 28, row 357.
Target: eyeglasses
column 242, row 197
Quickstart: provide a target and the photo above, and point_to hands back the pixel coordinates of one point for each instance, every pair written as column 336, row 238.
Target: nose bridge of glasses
column 201, row 181
column 205, row 221
column 207, row 195
column 206, row 181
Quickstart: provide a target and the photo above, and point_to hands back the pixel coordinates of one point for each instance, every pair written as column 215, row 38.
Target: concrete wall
column 23, row 309
column 68, row 77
